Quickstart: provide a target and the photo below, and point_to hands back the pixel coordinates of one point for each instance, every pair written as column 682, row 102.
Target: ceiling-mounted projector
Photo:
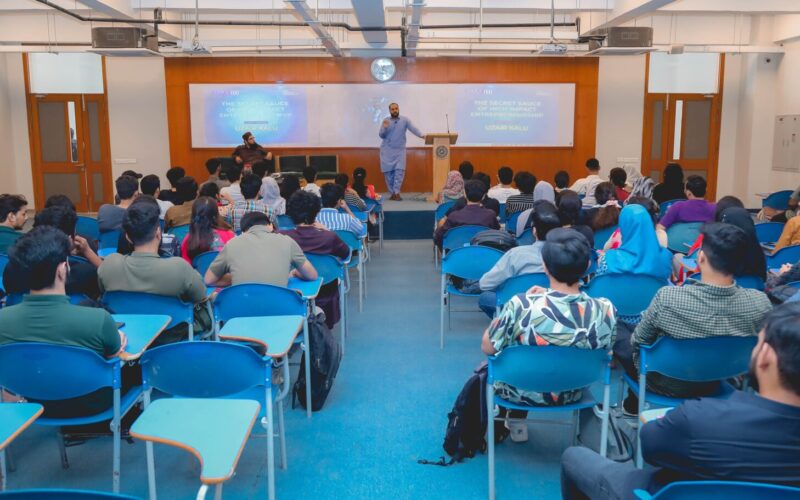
column 553, row 49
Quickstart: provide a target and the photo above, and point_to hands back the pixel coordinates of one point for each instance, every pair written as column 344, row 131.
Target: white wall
column 15, row 165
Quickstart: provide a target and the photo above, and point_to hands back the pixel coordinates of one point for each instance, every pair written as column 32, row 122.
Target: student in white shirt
column 587, row 185
column 232, row 193
column 502, row 191
column 310, row 175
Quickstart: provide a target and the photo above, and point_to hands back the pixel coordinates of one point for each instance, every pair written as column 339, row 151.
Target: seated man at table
column 332, row 200
column 752, row 437
column 259, row 255
column 146, row 271
column 45, row 315
column 303, row 208
column 472, row 214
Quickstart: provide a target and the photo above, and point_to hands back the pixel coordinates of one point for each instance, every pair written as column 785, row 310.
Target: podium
column 441, row 159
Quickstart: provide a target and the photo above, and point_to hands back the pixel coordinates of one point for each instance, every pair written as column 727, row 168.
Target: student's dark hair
column 782, row 333
column 545, row 218
column 342, row 179
column 126, row 186
column 331, row 194
column 648, row 203
column 250, row 185
column 310, row 174
column 562, row 179
column 593, row 164
column 174, row 175
column 696, row 185
column 618, row 177
column 359, row 186
column 150, row 184
column 132, row 173
column 212, row 165
column 466, row 169
column 725, row 246
column 569, row 207
column 566, row 254
column 604, row 192
column 289, row 185
column 202, row 225
column 60, row 218
column 303, row 207
column 474, row 190
column 505, row 174
column 605, row 216
column 60, row 200
column 261, row 168
column 11, row 204
column 141, row 221
column 251, row 219
column 186, row 189
column 233, row 173
column 673, row 174
column 209, row 189
column 38, row 254
column 725, row 203
column 484, row 178
column 525, row 182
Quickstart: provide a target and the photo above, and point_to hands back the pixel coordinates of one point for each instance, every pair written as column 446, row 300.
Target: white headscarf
column 271, row 196
column 544, row 191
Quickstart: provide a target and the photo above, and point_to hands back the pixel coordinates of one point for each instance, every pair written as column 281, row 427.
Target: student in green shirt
column 13, row 215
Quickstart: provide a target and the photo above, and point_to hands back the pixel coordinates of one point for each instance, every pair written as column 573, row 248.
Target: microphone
column 447, row 118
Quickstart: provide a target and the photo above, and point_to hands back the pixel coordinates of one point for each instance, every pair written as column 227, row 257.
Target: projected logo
column 273, row 113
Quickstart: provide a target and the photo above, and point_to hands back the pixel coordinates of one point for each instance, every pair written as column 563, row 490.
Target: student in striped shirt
column 332, row 200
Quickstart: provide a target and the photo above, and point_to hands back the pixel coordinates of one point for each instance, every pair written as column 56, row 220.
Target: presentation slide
column 350, row 115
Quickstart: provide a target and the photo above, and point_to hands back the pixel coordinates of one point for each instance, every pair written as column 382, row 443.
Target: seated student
column 151, row 186
column 694, row 209
column 259, row 256
column 453, row 188
column 561, row 180
column 466, row 169
column 526, row 182
column 502, row 191
column 210, row 190
column 605, row 213
column 618, row 178
column 181, row 214
column 45, row 315
column 214, row 167
column 639, row 252
column 174, row 175
column 360, row 186
column 672, row 187
column 588, row 184
column 486, row 201
column 524, row 259
column 109, row 217
column 569, row 210
column 472, row 214
column 13, row 214
column 233, row 192
column 790, row 235
column 713, row 306
column 751, row 436
column 332, row 200
column 303, row 209
column 615, row 241
column 271, row 196
column 205, row 235
column 289, row 184
column 310, row 175
column 350, row 196
column 560, row 315
column 234, row 212
column 145, row 270
column 82, row 278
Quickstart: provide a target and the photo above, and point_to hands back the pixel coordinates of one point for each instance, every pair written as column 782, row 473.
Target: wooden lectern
column 441, row 159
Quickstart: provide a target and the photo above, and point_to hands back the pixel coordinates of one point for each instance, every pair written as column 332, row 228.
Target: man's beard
column 395, row 114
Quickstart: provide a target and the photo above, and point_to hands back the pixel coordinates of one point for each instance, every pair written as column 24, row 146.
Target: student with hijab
column 453, row 188
column 544, row 191
column 271, row 196
column 643, row 188
column 673, row 187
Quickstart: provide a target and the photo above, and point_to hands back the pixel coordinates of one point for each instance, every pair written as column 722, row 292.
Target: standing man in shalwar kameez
column 393, row 149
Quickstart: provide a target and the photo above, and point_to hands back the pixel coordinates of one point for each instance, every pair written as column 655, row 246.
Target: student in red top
column 618, row 178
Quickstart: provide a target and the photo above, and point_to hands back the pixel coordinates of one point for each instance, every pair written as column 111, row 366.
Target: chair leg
column 576, row 425
column 360, row 285
column 191, row 332
column 2, row 470
column 151, row 470
column 271, row 445
column 218, row 492
column 442, row 299
column 307, row 348
column 490, row 436
column 604, row 423
column 115, row 429
column 282, row 436
column 62, row 448
column 10, row 463
column 642, row 394
column 342, row 314
column 201, row 493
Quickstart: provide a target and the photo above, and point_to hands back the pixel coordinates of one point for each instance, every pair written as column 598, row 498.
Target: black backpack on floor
column 325, row 357
column 494, row 238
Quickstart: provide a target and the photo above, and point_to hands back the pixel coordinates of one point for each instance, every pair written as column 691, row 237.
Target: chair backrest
column 527, row 238
column 470, row 262
column 794, row 284
column 87, row 227
column 601, row 236
column 549, row 368
column 786, row 255
column 350, row 239
column 460, row 236
column 729, row 490
column 285, row 222
column 62, row 494
column 519, row 284
column 502, row 213
column 202, row 261
column 149, row 303
column 680, row 236
column 698, row 360
column 256, row 299
column 769, row 232
column 511, row 222
column 109, row 239
column 292, row 163
column 3, row 264
column 778, row 200
column 441, row 211
column 753, row 282
column 53, row 372
column 662, row 211
column 631, row 294
column 179, row 232
column 328, row 267
column 204, row 369
column 358, row 213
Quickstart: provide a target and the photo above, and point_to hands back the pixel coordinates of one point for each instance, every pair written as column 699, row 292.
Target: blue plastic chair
column 511, row 222
column 439, row 214
column 502, row 213
column 109, row 239
column 469, row 263
column 729, row 490
column 460, row 236
column 691, row 360
column 601, row 236
column 662, row 211
column 204, row 370
column 3, row 264
column 519, row 284
column 631, row 294
column 180, row 232
column 362, row 215
column 87, row 227
column 786, row 255
column 794, row 284
column 778, row 200
column 681, row 236
column 62, row 494
column 769, row 232
column 330, row 269
column 285, row 223
column 149, row 303
column 356, row 244
column 202, row 261
column 47, row 372
column 527, row 238
column 548, row 369
column 376, row 208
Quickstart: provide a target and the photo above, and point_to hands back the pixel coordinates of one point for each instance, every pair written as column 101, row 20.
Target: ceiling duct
column 124, row 42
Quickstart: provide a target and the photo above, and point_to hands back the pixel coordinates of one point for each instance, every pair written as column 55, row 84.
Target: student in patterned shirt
column 233, row 213
column 561, row 315
column 525, row 182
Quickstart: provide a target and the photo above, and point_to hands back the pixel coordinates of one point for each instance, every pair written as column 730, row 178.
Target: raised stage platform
column 410, row 219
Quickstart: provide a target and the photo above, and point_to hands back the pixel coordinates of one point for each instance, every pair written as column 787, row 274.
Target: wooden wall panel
column 542, row 161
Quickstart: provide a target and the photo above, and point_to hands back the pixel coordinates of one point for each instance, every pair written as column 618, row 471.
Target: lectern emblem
column 441, row 152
